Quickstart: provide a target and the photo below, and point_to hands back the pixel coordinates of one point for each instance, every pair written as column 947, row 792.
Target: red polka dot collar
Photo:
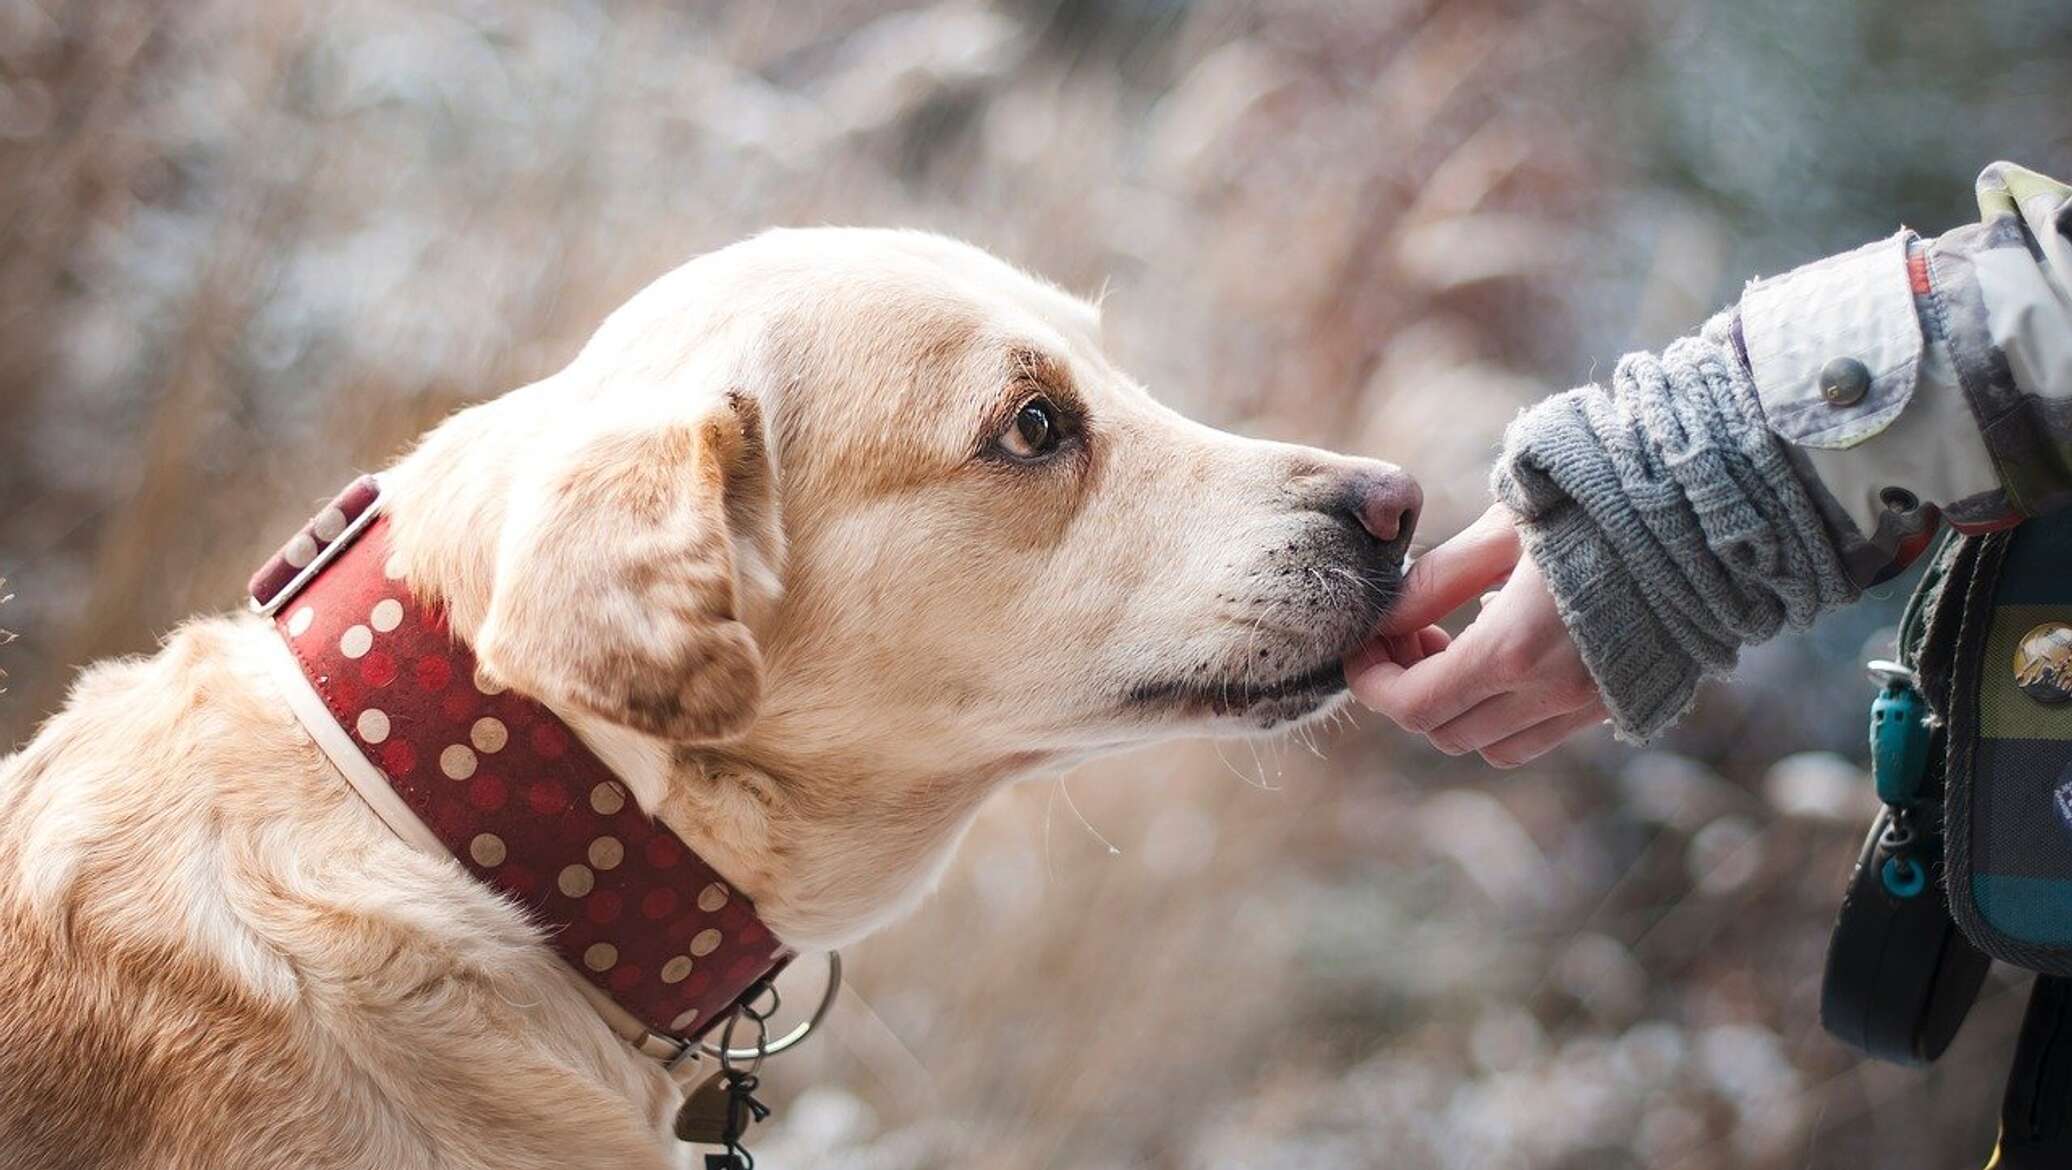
column 456, row 764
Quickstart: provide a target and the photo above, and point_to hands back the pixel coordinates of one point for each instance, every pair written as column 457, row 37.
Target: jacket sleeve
column 1916, row 379
column 1802, row 446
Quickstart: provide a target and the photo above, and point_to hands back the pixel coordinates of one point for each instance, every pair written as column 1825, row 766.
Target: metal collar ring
column 790, row 1039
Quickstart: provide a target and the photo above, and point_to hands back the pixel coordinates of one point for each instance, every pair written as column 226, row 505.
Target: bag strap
column 2036, row 1112
column 1928, row 632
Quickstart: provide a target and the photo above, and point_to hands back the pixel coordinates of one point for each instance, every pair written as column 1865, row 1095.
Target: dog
column 820, row 540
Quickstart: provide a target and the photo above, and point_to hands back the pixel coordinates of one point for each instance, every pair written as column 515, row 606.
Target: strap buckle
column 318, row 543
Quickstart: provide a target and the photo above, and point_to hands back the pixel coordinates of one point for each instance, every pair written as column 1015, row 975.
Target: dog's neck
column 827, row 855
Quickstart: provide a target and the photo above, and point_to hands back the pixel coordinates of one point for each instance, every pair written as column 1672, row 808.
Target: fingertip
column 1372, row 652
column 1454, row 573
column 1432, row 640
column 1369, row 683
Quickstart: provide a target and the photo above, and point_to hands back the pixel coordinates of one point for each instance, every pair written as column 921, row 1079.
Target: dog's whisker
column 1308, row 735
column 1089, row 825
column 1050, row 801
column 1269, row 785
column 1217, row 746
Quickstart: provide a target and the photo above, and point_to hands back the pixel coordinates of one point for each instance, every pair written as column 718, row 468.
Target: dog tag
column 720, row 1111
column 702, row 1118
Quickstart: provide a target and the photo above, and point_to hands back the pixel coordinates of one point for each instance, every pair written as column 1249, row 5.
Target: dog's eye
column 1034, row 432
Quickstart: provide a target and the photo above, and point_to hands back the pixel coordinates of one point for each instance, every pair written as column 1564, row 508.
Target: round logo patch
column 2043, row 664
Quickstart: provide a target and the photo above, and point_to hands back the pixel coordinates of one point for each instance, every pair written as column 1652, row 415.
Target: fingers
column 1404, row 650
column 1426, row 695
column 1500, row 717
column 1542, row 737
column 1512, row 688
column 1456, row 572
column 1441, row 581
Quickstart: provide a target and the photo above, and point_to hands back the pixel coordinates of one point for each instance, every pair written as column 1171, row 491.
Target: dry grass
column 250, row 248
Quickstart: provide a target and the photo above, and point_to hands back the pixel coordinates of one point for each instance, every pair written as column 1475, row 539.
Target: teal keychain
column 1900, row 733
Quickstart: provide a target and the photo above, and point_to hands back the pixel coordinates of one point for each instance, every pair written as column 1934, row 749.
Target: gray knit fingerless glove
column 1669, row 524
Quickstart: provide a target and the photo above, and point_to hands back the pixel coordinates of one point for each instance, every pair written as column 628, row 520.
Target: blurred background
column 246, row 249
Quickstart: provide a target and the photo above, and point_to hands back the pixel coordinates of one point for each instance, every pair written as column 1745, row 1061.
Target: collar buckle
column 330, row 532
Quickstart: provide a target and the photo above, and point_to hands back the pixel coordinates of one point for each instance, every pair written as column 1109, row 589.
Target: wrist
column 1646, row 679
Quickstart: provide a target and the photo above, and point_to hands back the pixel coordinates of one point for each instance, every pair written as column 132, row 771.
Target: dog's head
column 880, row 494
column 825, row 535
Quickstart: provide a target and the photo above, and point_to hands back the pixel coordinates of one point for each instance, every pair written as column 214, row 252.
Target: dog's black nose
column 1386, row 504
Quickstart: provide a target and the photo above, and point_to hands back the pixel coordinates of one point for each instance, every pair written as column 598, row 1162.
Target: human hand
column 1511, row 687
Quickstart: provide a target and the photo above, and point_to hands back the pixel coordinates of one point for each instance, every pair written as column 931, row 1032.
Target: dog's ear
column 618, row 587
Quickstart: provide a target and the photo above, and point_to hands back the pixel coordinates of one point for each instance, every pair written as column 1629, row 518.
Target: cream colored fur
column 758, row 545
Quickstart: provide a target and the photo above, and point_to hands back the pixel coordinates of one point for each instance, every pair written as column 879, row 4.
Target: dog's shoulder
column 214, row 954
column 128, row 1039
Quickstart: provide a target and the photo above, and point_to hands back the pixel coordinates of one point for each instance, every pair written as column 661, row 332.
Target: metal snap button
column 1844, row 381
column 2043, row 663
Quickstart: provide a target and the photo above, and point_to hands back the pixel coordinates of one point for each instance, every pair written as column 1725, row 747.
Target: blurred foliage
column 249, row 248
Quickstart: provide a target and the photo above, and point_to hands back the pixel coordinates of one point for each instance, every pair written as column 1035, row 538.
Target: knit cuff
column 1648, row 682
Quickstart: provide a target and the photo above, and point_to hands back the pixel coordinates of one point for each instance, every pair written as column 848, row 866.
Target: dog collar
column 455, row 763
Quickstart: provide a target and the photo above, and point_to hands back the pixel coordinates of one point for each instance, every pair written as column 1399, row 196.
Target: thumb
column 1456, row 572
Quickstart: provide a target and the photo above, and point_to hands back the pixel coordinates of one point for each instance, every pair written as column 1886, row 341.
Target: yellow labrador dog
column 823, row 538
